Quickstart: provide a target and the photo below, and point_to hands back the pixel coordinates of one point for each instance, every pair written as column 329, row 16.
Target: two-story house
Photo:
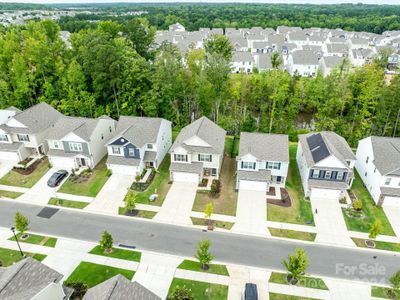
column 30, row 279
column 262, row 162
column 76, row 143
column 139, row 143
column 242, row 62
column 326, row 163
column 197, row 152
column 303, row 62
column 24, row 133
column 378, row 163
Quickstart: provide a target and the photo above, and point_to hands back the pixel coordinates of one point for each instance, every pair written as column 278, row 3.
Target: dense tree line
column 112, row 70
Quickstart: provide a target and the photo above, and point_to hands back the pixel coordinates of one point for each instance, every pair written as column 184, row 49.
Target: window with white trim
column 316, row 174
column 388, row 180
column 3, row 138
column 328, row 174
column 273, row 165
column 149, row 146
column 131, row 151
column 248, row 165
column 116, row 150
column 56, row 145
column 180, row 157
column 339, row 175
column 76, row 147
column 204, row 157
column 23, row 137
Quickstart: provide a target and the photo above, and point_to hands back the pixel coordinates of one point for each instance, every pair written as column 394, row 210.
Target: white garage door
column 125, row 170
column 253, row 185
column 391, row 201
column 325, row 194
column 185, row 177
column 9, row 156
column 62, row 162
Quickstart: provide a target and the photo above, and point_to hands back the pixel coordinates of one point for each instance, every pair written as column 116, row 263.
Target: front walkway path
column 393, row 214
column 251, row 213
column 112, row 195
column 178, row 204
column 331, row 228
column 156, row 272
column 11, row 188
column 201, row 276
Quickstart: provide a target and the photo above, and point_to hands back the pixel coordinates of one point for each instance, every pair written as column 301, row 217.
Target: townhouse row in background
column 133, row 144
column 302, row 51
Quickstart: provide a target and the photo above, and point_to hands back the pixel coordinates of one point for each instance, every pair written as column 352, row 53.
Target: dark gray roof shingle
column 386, row 155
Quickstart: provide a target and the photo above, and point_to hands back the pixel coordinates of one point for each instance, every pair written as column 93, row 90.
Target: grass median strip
column 37, row 240
column 305, row 281
column 118, row 253
column 378, row 245
column 382, row 292
column 8, row 194
column 146, row 214
column 275, row 296
column 9, row 256
column 219, row 224
column 292, row 234
column 201, row 290
column 68, row 203
column 196, row 266
column 93, row 274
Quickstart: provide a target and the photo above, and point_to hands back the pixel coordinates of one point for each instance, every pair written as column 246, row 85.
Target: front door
column 82, row 162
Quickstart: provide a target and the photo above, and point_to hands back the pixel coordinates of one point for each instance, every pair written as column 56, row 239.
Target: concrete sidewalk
column 240, row 275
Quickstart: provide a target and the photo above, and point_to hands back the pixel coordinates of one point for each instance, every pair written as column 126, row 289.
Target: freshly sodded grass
column 218, row 224
column 201, row 290
column 93, row 274
column 146, row 214
column 292, row 234
column 226, row 202
column 67, row 203
column 11, row 195
column 8, row 256
column 27, row 181
column 196, row 266
column 274, row 296
column 307, row 282
column 381, row 292
column 89, row 188
column 118, row 253
column 159, row 185
column 300, row 212
column 378, row 245
column 37, row 240
column 370, row 210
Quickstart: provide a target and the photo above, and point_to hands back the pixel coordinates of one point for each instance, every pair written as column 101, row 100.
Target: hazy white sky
column 215, row 1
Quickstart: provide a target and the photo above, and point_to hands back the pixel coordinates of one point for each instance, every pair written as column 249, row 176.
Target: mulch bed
column 132, row 213
column 29, row 170
column 285, row 202
column 271, row 191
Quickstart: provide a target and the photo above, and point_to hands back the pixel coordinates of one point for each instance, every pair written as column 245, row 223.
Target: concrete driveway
column 112, row 195
column 251, row 213
column 393, row 214
column 5, row 167
column 178, row 204
column 331, row 228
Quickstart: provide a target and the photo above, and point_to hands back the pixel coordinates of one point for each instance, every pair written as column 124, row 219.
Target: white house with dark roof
column 24, row 133
column 263, row 161
column 139, row 143
column 326, row 163
column 198, row 151
column 242, row 62
column 76, row 143
column 303, row 62
column 378, row 163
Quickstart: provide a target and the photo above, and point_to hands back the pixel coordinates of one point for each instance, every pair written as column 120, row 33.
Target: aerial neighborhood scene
column 199, row 150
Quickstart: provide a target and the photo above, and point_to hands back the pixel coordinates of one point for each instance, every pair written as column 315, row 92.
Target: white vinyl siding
column 248, row 165
column 77, row 147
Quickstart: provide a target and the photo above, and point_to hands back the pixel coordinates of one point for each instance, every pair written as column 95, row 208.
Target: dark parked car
column 56, row 178
column 250, row 292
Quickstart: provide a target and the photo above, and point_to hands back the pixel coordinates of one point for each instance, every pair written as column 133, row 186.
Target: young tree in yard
column 296, row 265
column 375, row 229
column 182, row 293
column 130, row 201
column 208, row 211
column 106, row 242
column 203, row 254
column 21, row 223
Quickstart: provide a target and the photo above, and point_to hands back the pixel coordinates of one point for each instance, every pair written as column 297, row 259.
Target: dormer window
column 23, row 137
column 149, row 146
column 3, row 138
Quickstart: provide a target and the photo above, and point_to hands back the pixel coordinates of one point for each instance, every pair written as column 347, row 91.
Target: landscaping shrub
column 182, row 293
column 108, row 173
column 357, row 205
column 79, row 287
column 203, row 182
column 215, row 187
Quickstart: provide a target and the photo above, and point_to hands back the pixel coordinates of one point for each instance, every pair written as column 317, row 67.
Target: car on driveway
column 250, row 292
column 57, row 178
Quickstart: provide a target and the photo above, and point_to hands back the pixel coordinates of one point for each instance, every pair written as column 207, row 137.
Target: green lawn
column 175, row 132
column 67, row 203
column 201, row 290
column 218, row 224
column 196, row 266
column 26, row 181
column 147, row 214
column 93, row 274
column 381, row 292
column 37, row 240
column 378, row 245
column 300, row 212
column 89, row 188
column 11, row 195
column 8, row 256
column 118, row 253
column 159, row 185
column 292, row 234
column 274, row 296
column 370, row 210
column 305, row 281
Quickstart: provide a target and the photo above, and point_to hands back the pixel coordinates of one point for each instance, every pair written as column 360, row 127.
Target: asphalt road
column 355, row 264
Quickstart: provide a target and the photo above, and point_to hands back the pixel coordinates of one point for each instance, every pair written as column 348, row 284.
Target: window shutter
column 210, row 158
column 279, row 166
column 241, row 164
column 254, row 166
column 198, row 157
